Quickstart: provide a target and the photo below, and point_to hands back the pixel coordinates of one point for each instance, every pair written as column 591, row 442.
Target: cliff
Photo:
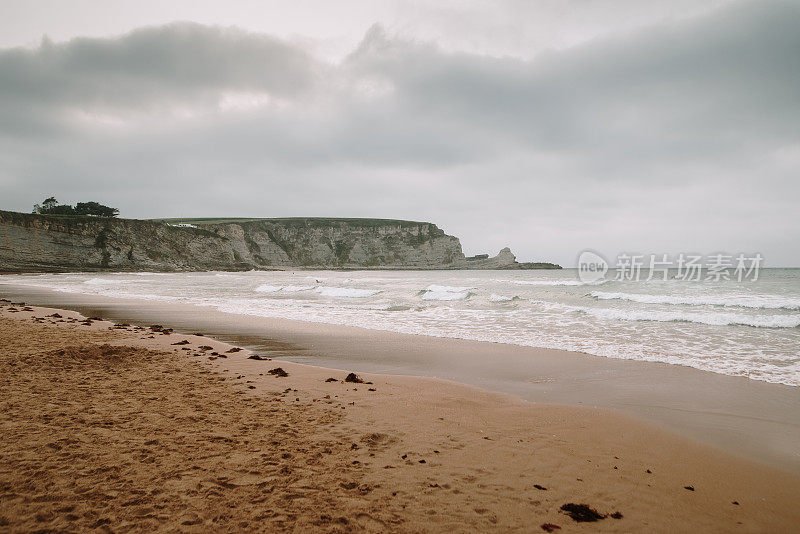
column 58, row 244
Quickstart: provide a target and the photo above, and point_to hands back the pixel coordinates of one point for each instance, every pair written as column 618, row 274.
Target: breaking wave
column 347, row 292
column 445, row 293
column 448, row 289
column 710, row 318
column 770, row 302
column 552, row 282
column 104, row 281
column 501, row 298
column 266, row 288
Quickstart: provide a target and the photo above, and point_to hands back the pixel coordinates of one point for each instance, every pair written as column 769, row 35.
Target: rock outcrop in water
column 505, row 259
column 57, row 244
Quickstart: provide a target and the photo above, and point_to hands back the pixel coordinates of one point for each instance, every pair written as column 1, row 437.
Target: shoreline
column 283, row 268
column 420, row 444
column 756, row 420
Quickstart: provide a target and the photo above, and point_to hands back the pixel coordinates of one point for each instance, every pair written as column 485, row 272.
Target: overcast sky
column 547, row 126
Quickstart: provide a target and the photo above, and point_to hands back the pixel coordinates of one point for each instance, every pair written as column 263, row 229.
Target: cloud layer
column 682, row 137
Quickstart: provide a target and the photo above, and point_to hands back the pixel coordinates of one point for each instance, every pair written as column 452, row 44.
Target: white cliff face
column 341, row 243
column 34, row 242
column 52, row 243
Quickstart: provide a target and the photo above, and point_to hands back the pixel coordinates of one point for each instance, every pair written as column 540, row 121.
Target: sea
column 741, row 328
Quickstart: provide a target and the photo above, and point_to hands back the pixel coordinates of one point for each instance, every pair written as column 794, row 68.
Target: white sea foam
column 445, row 295
column 713, row 318
column 448, row 289
column 704, row 331
column 551, row 282
column 104, row 281
column 347, row 292
column 501, row 298
column 709, row 318
column 265, row 288
column 295, row 289
column 742, row 301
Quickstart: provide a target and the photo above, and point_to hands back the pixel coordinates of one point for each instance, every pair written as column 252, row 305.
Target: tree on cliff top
column 50, row 206
column 95, row 209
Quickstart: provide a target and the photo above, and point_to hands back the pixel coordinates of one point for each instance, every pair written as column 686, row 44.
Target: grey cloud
column 695, row 90
column 694, row 120
column 149, row 69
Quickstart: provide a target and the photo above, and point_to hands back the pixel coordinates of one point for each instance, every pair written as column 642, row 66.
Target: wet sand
column 127, row 429
column 754, row 419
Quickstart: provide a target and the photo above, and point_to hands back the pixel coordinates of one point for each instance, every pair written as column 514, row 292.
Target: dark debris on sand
column 278, row 372
column 353, row 378
column 549, row 527
column 582, row 513
column 257, row 357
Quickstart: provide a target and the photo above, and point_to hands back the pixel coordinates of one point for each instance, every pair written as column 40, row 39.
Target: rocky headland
column 49, row 243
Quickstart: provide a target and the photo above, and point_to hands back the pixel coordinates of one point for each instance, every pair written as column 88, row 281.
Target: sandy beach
column 129, row 428
column 750, row 418
column 456, row 267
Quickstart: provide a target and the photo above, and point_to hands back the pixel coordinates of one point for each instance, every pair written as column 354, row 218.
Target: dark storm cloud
column 690, row 90
column 150, row 69
column 696, row 113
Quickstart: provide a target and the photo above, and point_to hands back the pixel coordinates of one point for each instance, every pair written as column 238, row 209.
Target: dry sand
column 121, row 429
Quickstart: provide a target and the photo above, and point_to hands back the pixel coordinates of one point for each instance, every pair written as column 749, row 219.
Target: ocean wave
column 265, row 288
column 552, row 282
column 295, row 289
column 501, row 298
column 711, row 318
column 374, row 307
column 604, row 327
column 446, row 295
column 347, row 292
column 772, row 302
column 447, row 289
column 105, row 281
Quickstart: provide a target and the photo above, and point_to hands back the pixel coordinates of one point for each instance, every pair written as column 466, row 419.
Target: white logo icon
column 591, row 267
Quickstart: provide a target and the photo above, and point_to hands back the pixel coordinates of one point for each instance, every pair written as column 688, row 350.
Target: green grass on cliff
column 289, row 221
column 298, row 221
